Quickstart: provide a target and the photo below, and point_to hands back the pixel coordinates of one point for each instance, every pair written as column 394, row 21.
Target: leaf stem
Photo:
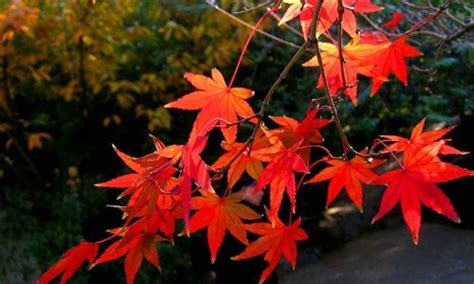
column 249, row 39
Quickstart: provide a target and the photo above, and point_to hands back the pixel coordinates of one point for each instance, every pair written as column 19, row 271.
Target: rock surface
column 444, row 255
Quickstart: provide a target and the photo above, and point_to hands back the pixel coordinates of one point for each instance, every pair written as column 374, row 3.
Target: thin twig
column 340, row 14
column 258, row 7
column 238, row 20
column 344, row 141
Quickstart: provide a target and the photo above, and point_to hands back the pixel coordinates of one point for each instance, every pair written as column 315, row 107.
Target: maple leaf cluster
column 175, row 184
column 371, row 54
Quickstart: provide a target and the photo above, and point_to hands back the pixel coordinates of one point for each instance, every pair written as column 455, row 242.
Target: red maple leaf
column 193, row 168
column 415, row 184
column 280, row 174
column 243, row 163
column 393, row 22
column 248, row 160
column 70, row 262
column 358, row 59
column 152, row 180
column 328, row 14
column 349, row 22
column 419, row 139
column 218, row 103
column 135, row 248
column 349, row 174
column 306, row 132
column 391, row 58
column 276, row 239
column 220, row 215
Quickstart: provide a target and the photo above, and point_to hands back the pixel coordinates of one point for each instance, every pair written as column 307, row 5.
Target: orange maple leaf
column 220, row 215
column 135, row 247
column 218, row 103
column 280, row 174
column 391, row 58
column 328, row 14
column 306, row 132
column 419, row 139
column 70, row 262
column 152, row 181
column 349, row 174
column 243, row 163
column 358, row 59
column 276, row 239
column 249, row 160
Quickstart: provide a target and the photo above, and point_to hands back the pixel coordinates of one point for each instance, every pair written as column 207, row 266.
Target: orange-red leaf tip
column 186, row 75
column 457, row 220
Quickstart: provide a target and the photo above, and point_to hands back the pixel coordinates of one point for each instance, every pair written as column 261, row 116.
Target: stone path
column 444, row 255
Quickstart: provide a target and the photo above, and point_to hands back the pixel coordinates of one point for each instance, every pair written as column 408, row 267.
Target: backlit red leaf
column 218, row 103
column 220, row 215
column 350, row 174
column 277, row 240
column 414, row 184
column 70, row 262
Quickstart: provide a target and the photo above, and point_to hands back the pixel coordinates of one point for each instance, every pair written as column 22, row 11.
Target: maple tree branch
column 415, row 6
column 430, row 33
column 428, row 19
column 242, row 121
column 454, row 19
column 249, row 142
column 340, row 13
column 377, row 27
column 459, row 32
column 300, row 183
column 390, row 152
column 345, row 143
column 346, row 146
column 242, row 22
column 259, row 6
column 326, row 150
column 285, row 71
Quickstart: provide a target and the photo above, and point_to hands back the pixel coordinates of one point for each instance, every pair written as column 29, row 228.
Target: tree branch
column 245, row 24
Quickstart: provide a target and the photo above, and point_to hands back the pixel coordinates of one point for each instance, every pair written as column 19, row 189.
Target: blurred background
column 77, row 76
